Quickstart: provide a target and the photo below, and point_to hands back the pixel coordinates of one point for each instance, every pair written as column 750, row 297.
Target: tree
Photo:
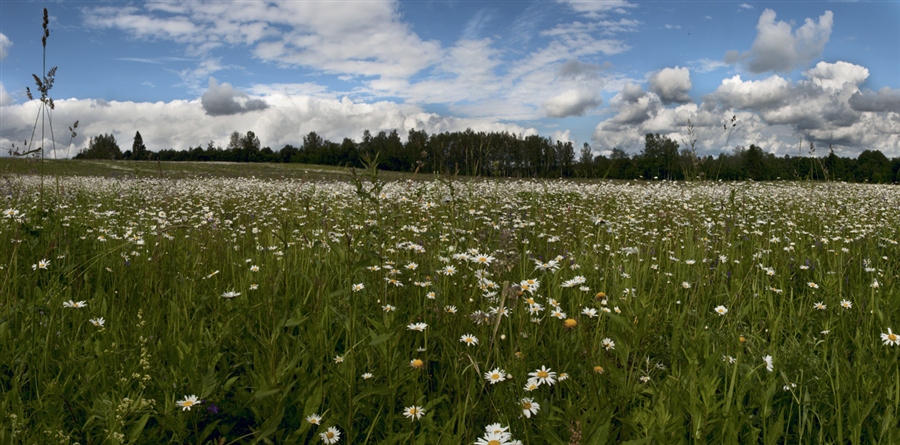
column 101, row 147
column 659, row 159
column 138, row 149
column 586, row 161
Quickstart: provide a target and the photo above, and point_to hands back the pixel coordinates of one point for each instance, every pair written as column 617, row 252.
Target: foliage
column 103, row 146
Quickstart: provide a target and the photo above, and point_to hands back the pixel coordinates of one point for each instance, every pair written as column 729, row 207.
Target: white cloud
column 671, row 85
column 775, row 113
column 223, row 99
column 594, row 9
column 834, row 75
column 778, row 48
column 5, row 98
column 359, row 38
column 754, row 94
column 572, row 102
column 5, row 43
column 886, row 99
column 183, row 124
column 745, row 6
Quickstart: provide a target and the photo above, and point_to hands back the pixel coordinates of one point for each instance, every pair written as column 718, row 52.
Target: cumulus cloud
column 223, row 99
column 5, row 98
column 834, row 75
column 182, row 124
column 671, row 85
column 780, row 49
column 886, row 99
column 572, row 102
column 826, row 106
column 5, row 43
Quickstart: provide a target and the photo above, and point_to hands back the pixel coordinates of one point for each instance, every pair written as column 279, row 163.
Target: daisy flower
column 768, row 360
column 331, row 436
column 820, row 306
column 413, row 412
column 98, row 322
column 890, row 339
column 357, row 287
column 721, row 310
column 529, row 406
column 75, row 304
column 495, row 375
column 608, row 343
column 417, row 327
column 589, row 311
column 230, row 294
column 846, row 304
column 314, row 419
column 544, row 376
column 469, row 340
column 188, row 402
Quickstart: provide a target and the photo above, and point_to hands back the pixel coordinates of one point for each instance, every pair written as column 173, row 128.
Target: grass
column 622, row 309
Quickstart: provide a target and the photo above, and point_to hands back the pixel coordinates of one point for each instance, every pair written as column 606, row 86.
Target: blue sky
column 601, row 72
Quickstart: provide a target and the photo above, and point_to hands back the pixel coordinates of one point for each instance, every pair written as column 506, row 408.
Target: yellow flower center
column 494, row 442
column 526, row 405
column 329, row 434
column 893, row 337
column 571, row 323
column 495, row 376
column 417, row 363
column 543, row 374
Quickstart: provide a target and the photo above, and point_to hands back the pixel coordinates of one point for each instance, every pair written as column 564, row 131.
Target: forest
column 493, row 154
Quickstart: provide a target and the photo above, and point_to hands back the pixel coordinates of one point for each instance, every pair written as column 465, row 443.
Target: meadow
column 153, row 308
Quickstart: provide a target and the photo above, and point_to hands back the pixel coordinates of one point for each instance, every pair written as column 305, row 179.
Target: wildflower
column 645, row 378
column 685, row 285
column 98, row 322
column 339, row 359
column 812, row 285
column 729, row 359
column 448, row 270
column 393, row 281
column 820, row 306
column 469, row 340
column 331, row 436
column 450, row 309
column 570, row 323
column 188, row 402
column 890, row 339
column 495, row 375
column 367, row 375
column 846, row 304
column 531, row 385
column 42, row 264
column 721, row 310
column 75, row 304
column 558, row 314
column 599, row 369
column 589, row 311
column 544, row 376
column 529, row 407
column 417, row 363
column 357, row 287
column 482, row 258
column 431, row 295
column 413, row 412
column 254, row 268
column 608, row 344
column 768, row 360
column 562, row 377
column 230, row 294
column 491, row 438
column 388, row 308
column 417, row 327
column 314, row 419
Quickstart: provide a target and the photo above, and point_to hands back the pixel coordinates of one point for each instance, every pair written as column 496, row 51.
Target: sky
column 184, row 73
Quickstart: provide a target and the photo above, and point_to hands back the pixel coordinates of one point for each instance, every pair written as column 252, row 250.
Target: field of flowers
column 447, row 312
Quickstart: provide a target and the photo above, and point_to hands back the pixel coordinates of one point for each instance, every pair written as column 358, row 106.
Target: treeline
column 507, row 155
